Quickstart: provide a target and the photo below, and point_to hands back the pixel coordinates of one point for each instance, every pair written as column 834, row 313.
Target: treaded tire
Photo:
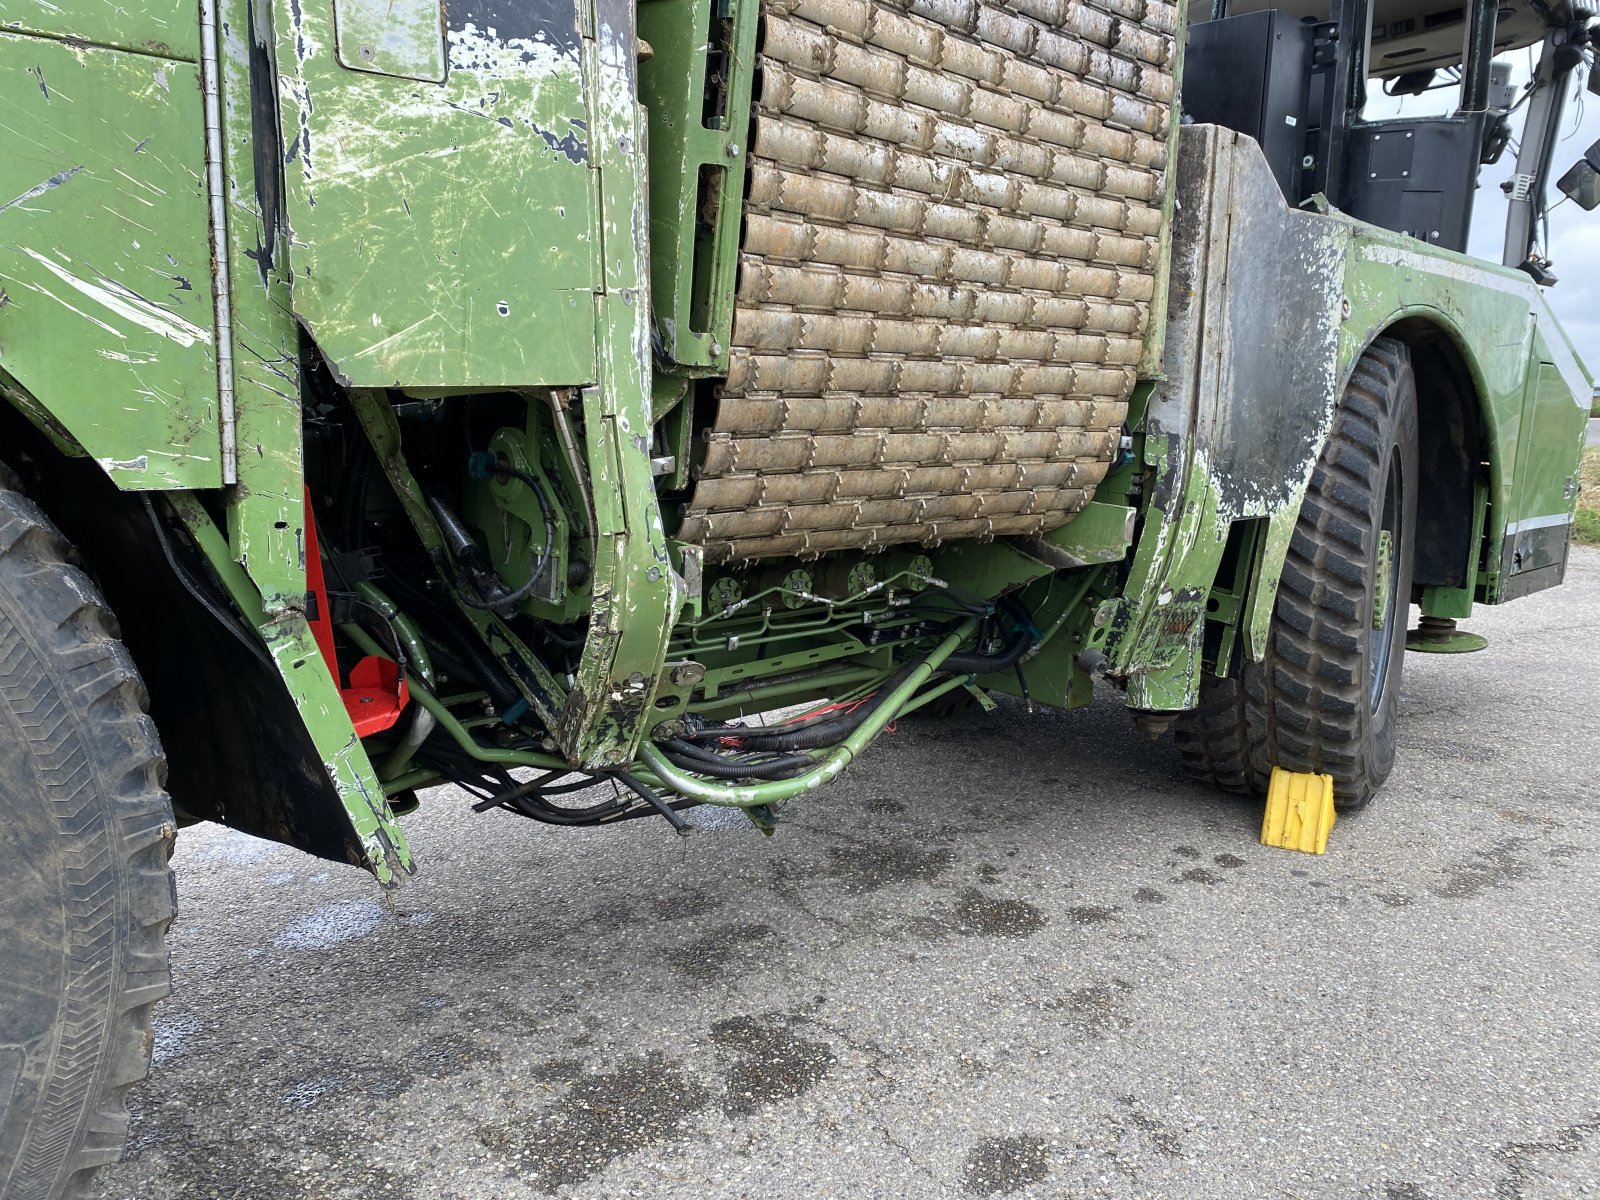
column 1323, row 699
column 86, row 896
column 1213, row 741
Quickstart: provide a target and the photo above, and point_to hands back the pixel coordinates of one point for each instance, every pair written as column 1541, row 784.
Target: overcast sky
column 1574, row 234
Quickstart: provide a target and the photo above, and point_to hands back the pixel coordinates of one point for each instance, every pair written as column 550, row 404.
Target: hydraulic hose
column 404, row 630
column 985, row 664
column 828, row 731
column 704, row 762
column 828, row 768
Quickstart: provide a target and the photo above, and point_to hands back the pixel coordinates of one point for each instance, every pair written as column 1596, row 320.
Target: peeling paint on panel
column 40, row 189
column 128, row 305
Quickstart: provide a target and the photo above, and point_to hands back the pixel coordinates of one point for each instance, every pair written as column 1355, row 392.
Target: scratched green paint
column 404, row 38
column 1533, row 414
column 1160, row 659
column 166, row 28
column 105, row 304
column 288, row 639
column 1555, row 419
column 1500, row 322
column 493, row 231
column 443, row 234
column 265, row 547
column 1533, row 424
column 637, row 590
column 266, row 512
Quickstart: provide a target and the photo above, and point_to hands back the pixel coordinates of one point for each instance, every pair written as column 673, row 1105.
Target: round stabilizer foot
column 1439, row 635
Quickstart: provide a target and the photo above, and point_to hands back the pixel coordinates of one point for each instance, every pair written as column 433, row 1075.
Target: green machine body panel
column 1532, row 390
column 1554, row 419
column 696, row 84
column 1236, row 428
column 164, row 28
column 443, row 235
column 106, row 313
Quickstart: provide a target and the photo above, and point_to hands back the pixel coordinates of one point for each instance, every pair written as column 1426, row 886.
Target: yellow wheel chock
column 1299, row 812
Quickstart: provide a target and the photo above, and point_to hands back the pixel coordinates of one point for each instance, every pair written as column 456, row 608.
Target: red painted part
column 377, row 695
column 321, row 619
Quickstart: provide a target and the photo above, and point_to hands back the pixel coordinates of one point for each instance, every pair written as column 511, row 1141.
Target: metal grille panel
column 950, row 250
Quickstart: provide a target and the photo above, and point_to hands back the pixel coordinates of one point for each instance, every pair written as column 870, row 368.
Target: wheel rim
column 1385, row 586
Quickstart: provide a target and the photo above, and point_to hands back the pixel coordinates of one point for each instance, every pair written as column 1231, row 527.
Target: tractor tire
column 1213, row 740
column 1324, row 698
column 86, row 896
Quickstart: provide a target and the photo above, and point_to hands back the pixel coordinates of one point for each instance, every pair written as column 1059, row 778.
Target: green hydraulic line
column 662, row 772
column 446, row 720
column 416, row 652
column 754, row 795
column 743, row 697
column 451, row 725
column 405, row 632
column 933, row 693
column 411, row 779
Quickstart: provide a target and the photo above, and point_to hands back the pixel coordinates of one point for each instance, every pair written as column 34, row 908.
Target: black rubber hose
column 693, row 759
column 229, row 621
column 984, row 664
column 654, row 801
column 470, row 557
column 817, row 733
column 695, row 751
column 831, row 731
column 531, row 482
column 712, row 732
column 734, row 771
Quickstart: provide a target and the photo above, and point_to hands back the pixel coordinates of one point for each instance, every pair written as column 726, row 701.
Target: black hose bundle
column 985, row 664
column 773, row 752
column 825, row 730
column 473, row 564
column 822, row 731
column 496, row 788
column 1027, row 633
column 726, row 766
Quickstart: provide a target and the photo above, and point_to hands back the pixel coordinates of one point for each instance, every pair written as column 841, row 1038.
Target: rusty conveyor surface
column 951, row 241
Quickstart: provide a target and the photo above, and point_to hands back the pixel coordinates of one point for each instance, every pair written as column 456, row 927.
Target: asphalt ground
column 1021, row 956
